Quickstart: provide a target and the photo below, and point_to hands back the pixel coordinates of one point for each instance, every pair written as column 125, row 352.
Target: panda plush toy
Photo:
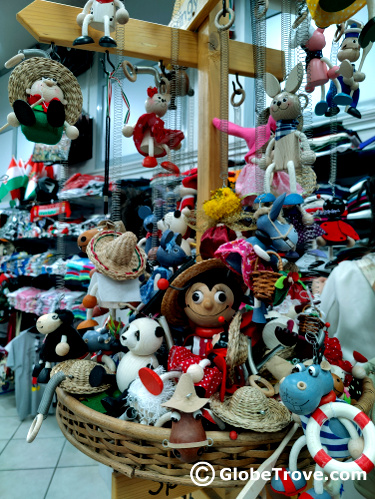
column 62, row 341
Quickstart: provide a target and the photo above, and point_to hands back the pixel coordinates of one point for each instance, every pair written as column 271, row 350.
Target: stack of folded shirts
column 78, row 270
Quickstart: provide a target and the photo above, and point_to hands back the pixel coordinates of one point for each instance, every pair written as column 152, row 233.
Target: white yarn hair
column 149, row 406
column 307, row 218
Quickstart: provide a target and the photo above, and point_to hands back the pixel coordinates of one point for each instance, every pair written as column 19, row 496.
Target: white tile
column 83, row 482
column 49, row 428
column 42, row 453
column 8, row 405
column 73, row 457
column 8, row 426
column 25, row 484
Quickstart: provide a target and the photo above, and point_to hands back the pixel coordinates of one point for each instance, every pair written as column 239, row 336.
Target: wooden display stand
column 199, row 47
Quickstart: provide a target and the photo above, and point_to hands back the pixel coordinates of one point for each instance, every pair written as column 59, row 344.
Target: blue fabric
column 285, row 127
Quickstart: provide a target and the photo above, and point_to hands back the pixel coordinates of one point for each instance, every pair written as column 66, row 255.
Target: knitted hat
column 117, row 255
column 249, row 408
column 170, row 306
column 185, row 398
column 32, row 70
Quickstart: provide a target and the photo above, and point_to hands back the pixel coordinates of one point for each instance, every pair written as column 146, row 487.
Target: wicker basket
column 136, row 450
column 263, row 281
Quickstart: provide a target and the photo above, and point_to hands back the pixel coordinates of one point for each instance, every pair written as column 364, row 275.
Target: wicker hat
column 78, row 380
column 31, row 70
column 185, row 398
column 116, row 255
column 170, row 306
column 249, row 408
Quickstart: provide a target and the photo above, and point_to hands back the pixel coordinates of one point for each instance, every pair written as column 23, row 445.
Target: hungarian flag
column 37, row 171
column 13, row 180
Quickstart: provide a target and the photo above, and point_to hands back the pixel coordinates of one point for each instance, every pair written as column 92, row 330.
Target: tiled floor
column 48, row 468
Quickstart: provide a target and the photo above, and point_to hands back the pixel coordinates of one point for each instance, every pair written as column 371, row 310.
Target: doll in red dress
column 336, row 230
column 150, row 137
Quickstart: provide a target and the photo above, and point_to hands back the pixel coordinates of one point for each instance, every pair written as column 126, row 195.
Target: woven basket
column 263, row 281
column 136, row 450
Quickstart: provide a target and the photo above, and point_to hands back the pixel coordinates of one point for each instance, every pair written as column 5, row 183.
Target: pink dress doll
column 250, row 180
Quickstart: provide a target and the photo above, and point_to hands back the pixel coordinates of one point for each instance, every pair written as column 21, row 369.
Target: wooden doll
column 150, row 137
column 206, row 296
column 101, row 14
column 289, row 150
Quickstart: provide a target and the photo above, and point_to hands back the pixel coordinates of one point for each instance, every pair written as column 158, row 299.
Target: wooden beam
column 209, row 108
column 192, row 14
column 52, row 22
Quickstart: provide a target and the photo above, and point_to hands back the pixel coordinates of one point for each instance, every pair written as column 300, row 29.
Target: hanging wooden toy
column 319, row 69
column 350, row 52
column 150, row 137
column 46, row 100
column 327, row 12
column 101, row 15
column 289, row 150
column 337, row 232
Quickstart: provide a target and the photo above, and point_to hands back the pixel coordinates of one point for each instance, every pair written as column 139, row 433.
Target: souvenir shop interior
column 187, row 249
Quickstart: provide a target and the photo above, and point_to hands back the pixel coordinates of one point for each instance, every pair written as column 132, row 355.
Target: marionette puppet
column 289, row 150
column 150, row 137
column 337, row 232
column 101, row 14
column 205, row 297
column 319, row 69
column 46, row 100
column 349, row 53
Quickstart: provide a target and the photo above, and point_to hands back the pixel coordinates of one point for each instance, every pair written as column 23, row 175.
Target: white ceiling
column 13, row 37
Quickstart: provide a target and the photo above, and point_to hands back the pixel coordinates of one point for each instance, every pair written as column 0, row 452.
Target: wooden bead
column 89, row 301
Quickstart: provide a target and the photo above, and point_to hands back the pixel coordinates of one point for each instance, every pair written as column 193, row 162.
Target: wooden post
column 209, row 108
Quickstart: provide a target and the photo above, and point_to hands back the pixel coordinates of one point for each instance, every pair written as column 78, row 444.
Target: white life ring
column 365, row 462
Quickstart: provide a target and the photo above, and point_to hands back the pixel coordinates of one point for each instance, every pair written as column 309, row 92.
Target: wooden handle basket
column 136, row 450
column 263, row 281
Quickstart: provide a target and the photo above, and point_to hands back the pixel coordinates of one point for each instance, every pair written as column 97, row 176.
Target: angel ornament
column 289, row 150
column 101, row 14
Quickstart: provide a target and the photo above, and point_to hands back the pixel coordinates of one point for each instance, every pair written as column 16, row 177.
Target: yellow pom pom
column 223, row 203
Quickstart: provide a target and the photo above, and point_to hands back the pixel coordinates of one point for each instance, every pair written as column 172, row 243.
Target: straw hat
column 249, row 408
column 170, row 307
column 185, row 398
column 78, row 380
column 116, row 255
column 31, row 70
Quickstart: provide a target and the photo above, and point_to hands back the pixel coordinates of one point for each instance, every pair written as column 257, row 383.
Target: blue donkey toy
column 308, row 392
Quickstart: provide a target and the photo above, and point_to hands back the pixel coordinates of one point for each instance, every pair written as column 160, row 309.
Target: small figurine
column 188, row 438
column 62, row 342
column 308, row 392
column 349, row 53
column 289, row 150
column 46, row 100
column 101, row 14
column 177, row 221
column 150, row 137
column 204, row 297
column 319, row 69
column 336, row 231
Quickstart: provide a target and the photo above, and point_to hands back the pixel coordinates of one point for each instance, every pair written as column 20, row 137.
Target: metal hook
column 235, row 90
column 104, row 69
column 109, row 61
column 162, row 69
column 224, row 12
column 54, row 52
